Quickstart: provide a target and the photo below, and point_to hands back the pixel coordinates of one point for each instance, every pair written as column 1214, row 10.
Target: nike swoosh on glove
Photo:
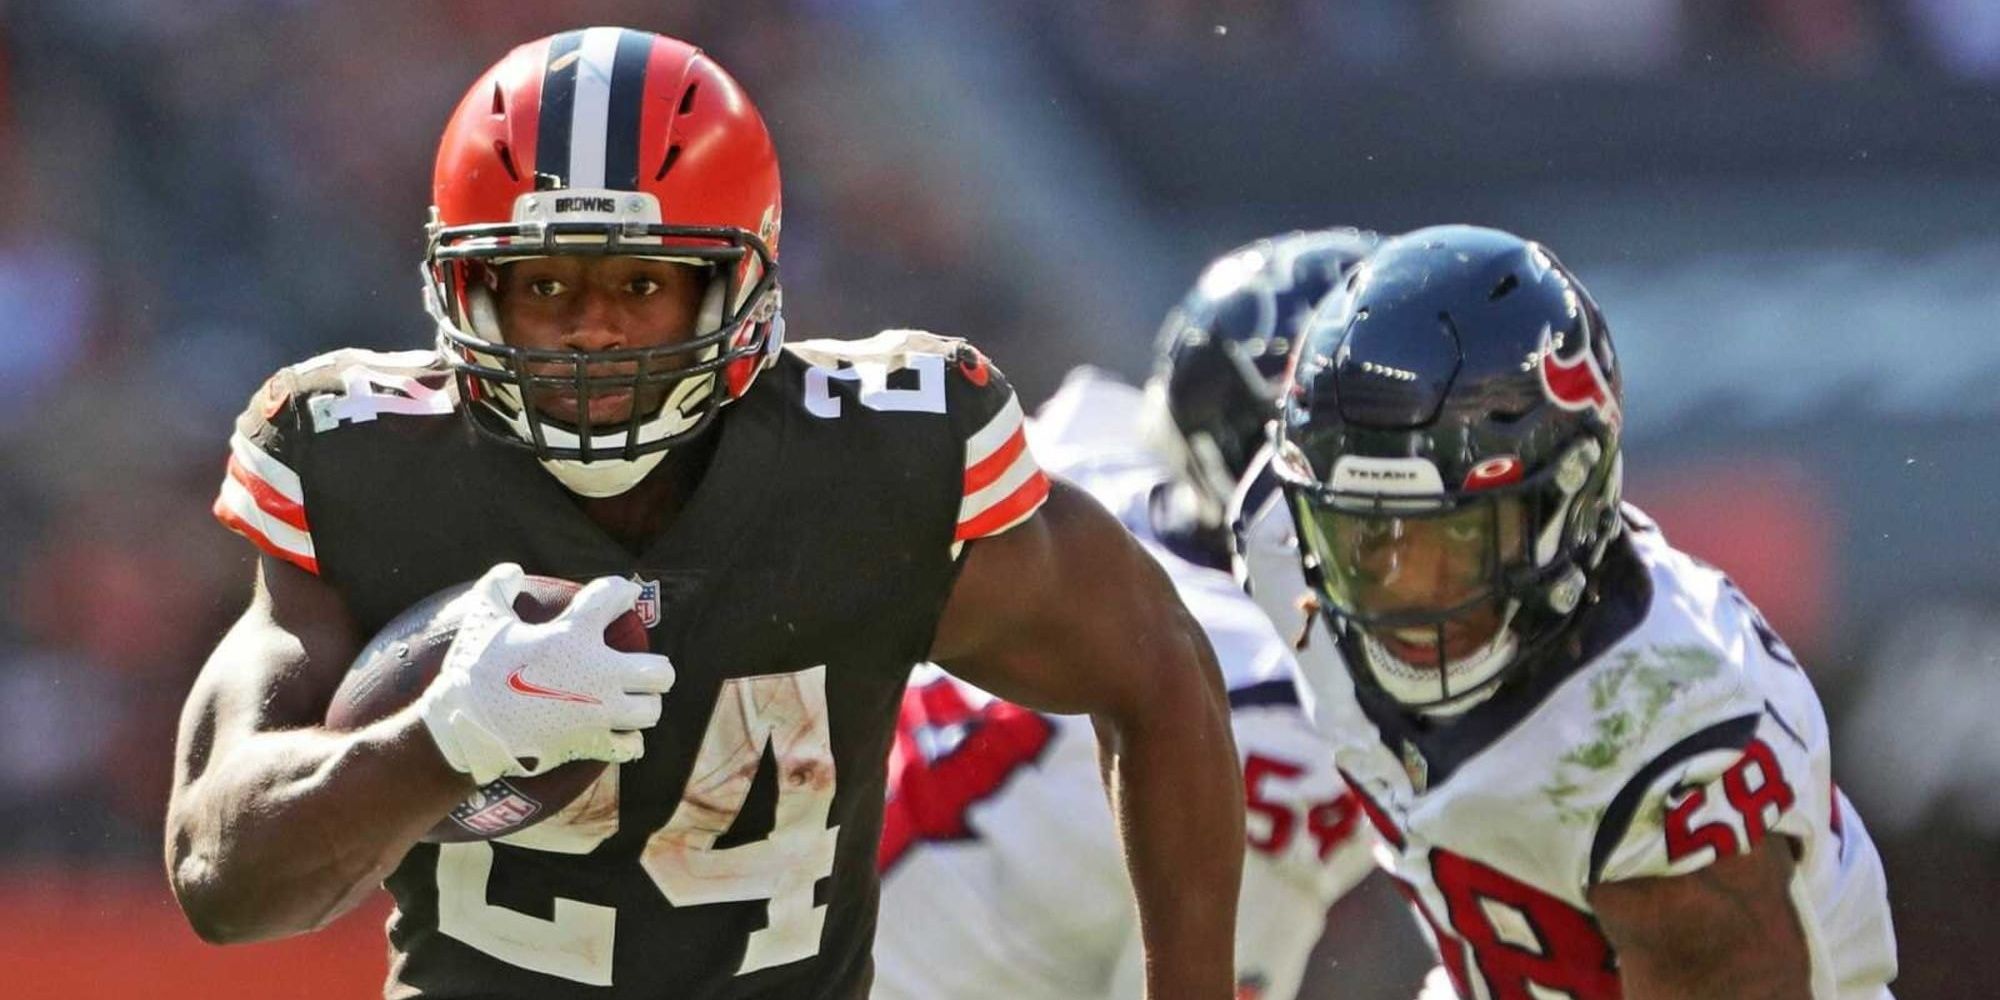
column 510, row 692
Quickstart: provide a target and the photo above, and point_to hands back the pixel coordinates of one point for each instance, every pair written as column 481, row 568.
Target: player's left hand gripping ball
column 511, row 692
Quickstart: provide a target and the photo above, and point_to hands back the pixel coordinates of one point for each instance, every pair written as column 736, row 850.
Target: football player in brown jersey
column 611, row 400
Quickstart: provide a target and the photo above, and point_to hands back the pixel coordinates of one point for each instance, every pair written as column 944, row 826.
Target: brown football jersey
column 793, row 593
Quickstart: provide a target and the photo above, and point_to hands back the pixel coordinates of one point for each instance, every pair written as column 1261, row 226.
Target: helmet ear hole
column 667, row 163
column 506, row 154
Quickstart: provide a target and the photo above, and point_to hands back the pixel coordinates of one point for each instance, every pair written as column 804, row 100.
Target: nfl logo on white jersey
column 648, row 605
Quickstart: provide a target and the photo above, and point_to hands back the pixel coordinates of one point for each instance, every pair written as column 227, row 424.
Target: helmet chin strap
column 609, row 477
column 1427, row 689
column 605, row 477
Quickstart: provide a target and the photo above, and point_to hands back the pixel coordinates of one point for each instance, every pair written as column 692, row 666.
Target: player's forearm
column 1768, row 966
column 1727, row 930
column 1178, row 791
column 1752, row 978
column 287, row 830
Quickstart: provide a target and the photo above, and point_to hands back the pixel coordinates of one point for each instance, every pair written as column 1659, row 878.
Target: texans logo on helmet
column 1577, row 383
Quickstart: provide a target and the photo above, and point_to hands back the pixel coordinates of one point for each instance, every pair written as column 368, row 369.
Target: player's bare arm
column 1065, row 613
column 1727, row 930
column 276, row 825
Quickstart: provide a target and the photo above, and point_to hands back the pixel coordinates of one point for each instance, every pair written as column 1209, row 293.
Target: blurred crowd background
column 1789, row 209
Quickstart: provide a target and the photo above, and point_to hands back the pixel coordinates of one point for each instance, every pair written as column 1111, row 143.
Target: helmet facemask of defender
column 605, row 143
column 1449, row 453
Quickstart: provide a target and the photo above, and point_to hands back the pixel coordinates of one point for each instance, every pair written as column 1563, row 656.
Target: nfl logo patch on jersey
column 494, row 808
column 648, row 606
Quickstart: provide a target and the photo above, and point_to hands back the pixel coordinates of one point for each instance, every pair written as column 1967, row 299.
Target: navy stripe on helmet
column 621, row 123
column 552, row 131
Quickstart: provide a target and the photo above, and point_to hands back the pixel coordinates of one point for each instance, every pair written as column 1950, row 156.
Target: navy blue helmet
column 1224, row 348
column 1449, row 451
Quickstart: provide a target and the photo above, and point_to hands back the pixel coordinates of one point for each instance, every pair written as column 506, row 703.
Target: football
column 396, row 666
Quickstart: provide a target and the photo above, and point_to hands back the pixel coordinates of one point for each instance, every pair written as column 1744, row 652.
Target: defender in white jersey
column 1001, row 870
column 1594, row 769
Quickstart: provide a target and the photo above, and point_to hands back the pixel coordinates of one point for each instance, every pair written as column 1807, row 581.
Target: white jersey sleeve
column 1739, row 756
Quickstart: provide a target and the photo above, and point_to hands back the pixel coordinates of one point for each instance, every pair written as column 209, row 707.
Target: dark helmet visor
column 1402, row 567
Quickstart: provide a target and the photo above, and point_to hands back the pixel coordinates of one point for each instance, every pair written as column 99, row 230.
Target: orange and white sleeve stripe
column 1003, row 485
column 262, row 500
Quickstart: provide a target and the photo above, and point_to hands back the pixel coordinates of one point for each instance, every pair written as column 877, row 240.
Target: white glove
column 553, row 692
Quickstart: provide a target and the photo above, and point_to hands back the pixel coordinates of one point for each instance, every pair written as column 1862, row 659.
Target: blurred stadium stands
column 1790, row 210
